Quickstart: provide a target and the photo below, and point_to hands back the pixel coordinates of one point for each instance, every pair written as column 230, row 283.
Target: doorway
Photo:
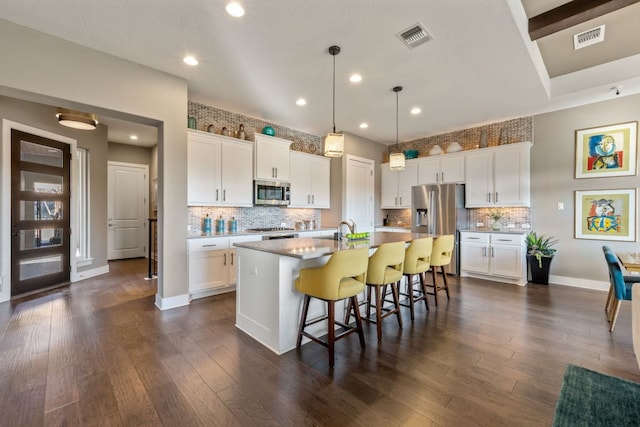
column 40, row 212
column 127, row 210
column 359, row 192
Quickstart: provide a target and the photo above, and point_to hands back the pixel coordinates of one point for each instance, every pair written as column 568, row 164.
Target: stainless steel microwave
column 271, row 193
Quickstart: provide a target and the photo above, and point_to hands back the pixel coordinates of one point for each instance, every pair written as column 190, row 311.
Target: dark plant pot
column 539, row 274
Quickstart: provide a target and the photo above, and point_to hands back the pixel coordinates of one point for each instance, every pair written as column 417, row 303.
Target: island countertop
column 309, row 248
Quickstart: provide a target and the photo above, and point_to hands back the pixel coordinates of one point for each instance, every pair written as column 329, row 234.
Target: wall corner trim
column 172, row 302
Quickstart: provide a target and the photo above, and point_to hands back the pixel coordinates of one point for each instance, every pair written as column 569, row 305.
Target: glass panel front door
column 40, row 227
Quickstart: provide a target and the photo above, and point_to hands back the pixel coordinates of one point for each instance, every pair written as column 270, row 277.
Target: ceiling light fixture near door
column 396, row 160
column 334, row 142
column 190, row 60
column 235, row 9
column 77, row 119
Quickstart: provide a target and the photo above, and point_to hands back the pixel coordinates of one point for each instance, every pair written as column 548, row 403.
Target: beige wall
column 41, row 68
column 552, row 181
column 130, row 154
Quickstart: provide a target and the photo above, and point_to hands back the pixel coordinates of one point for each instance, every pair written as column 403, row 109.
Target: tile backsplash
column 255, row 217
column 511, row 216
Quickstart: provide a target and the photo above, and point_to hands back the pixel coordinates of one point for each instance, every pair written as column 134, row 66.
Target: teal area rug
column 588, row 398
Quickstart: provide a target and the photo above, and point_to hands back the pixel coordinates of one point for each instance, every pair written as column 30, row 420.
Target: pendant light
column 334, row 142
column 396, row 160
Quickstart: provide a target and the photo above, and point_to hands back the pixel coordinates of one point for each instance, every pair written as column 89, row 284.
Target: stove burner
column 262, row 230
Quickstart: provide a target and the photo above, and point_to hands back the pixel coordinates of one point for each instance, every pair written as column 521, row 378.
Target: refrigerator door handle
column 496, row 197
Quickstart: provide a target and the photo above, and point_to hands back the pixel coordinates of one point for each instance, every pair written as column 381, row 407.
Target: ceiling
column 480, row 67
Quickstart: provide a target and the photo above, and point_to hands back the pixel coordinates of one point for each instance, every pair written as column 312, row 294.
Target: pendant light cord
column 334, row 93
column 397, row 146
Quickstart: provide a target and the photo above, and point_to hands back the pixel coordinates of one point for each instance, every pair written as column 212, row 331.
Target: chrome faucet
column 351, row 226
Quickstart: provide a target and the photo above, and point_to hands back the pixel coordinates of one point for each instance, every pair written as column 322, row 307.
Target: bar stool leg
column 331, row 336
column 379, row 298
column 396, row 299
column 353, row 302
column 444, row 277
column 303, row 319
column 423, row 285
column 410, row 294
column 435, row 285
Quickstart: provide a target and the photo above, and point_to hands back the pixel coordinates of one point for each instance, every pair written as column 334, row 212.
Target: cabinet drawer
column 474, row 237
column 206, row 244
column 506, row 239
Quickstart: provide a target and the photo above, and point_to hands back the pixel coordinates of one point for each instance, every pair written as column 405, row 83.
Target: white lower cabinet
column 493, row 256
column 213, row 264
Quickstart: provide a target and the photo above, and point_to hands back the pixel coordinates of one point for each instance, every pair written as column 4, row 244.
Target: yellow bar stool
column 441, row 256
column 417, row 260
column 385, row 268
column 342, row 277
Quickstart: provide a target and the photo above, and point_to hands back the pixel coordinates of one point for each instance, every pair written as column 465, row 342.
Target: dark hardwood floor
column 99, row 352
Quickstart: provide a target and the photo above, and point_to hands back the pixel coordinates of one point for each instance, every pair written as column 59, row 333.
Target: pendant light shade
column 334, row 142
column 396, row 160
column 77, row 119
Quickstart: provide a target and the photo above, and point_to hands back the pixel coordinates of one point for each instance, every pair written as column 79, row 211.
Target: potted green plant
column 540, row 251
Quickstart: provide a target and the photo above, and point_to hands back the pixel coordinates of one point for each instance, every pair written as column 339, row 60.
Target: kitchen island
column 267, row 304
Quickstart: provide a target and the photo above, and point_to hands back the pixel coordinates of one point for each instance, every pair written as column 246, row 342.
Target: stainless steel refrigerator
column 439, row 209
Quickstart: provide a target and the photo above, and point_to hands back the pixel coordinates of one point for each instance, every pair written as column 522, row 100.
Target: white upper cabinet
column 396, row 185
column 271, row 158
column 218, row 170
column 310, row 181
column 498, row 176
column 441, row 169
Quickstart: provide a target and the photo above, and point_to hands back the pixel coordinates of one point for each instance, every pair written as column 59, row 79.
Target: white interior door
column 359, row 192
column 127, row 210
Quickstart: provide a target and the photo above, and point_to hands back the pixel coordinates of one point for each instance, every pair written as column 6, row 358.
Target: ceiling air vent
column 414, row 35
column 589, row 37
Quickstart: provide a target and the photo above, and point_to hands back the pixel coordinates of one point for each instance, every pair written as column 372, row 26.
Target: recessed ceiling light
column 355, row 78
column 416, row 110
column 190, row 60
column 301, row 101
column 235, row 9
column 134, row 137
column 364, row 125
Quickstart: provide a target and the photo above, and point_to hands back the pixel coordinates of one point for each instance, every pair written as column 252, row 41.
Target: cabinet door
column 407, row 178
column 264, row 169
column 300, row 180
column 232, row 265
column 428, row 170
column 320, row 182
column 203, row 171
column 207, row 270
column 280, row 159
column 388, row 187
column 506, row 260
column 452, row 168
column 478, row 180
column 473, row 257
column 237, row 179
column 511, row 177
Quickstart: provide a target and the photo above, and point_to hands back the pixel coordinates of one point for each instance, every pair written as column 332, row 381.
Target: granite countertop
column 309, row 247
column 501, row 231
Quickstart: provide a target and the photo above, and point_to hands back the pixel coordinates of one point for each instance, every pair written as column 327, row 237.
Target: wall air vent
column 414, row 35
column 589, row 37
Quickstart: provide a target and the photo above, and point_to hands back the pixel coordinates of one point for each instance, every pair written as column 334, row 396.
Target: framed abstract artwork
column 606, row 150
column 606, row 215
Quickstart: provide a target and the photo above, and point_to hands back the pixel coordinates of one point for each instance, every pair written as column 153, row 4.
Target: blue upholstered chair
column 619, row 290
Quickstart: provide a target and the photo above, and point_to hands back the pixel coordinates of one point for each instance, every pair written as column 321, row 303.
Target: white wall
column 552, row 181
column 41, row 68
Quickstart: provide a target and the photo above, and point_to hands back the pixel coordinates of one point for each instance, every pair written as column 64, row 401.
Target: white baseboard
column 172, row 302
column 579, row 283
column 87, row 274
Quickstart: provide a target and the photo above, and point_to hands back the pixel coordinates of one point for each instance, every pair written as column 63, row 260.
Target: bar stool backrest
column 442, row 250
column 388, row 255
column 417, row 257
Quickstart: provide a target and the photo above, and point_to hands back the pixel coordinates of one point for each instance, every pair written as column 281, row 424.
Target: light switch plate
column 526, row 226
column 510, row 225
column 479, row 224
